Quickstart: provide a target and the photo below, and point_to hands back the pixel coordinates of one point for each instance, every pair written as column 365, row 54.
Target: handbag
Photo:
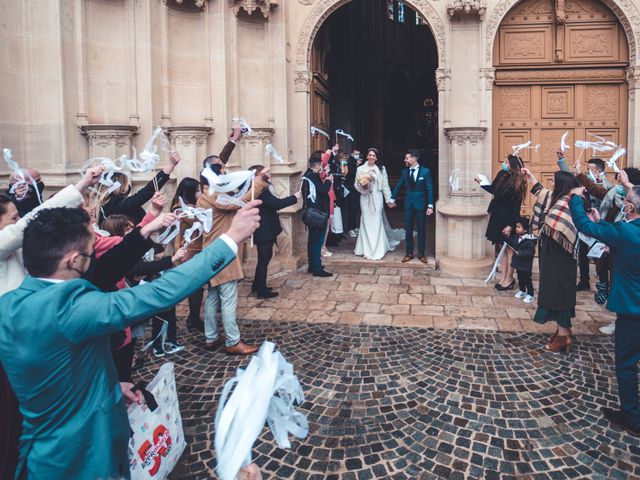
column 314, row 218
column 157, row 439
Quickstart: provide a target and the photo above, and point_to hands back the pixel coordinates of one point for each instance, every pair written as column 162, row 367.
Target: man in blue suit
column 623, row 239
column 54, row 344
column 418, row 202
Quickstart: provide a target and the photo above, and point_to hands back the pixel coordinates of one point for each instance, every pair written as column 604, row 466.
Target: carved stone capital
column 189, row 135
column 198, row 4
column 633, row 77
column 250, row 6
column 302, row 80
column 108, row 140
column 462, row 135
column 489, row 76
column 467, row 7
column 442, row 77
column 260, row 136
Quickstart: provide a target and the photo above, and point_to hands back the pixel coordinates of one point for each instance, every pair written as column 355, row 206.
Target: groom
column 418, row 202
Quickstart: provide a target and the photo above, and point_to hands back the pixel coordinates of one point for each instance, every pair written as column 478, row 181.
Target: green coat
column 54, row 346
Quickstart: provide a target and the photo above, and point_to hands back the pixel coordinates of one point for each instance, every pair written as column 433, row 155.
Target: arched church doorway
column 560, row 66
column 373, row 65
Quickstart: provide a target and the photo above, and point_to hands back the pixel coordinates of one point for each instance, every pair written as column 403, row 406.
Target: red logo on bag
column 151, row 455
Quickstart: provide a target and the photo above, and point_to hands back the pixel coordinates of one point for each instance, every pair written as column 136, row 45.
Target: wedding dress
column 376, row 236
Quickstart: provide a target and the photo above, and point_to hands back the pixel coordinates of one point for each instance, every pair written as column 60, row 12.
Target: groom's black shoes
column 407, row 258
column 322, row 273
column 424, row 260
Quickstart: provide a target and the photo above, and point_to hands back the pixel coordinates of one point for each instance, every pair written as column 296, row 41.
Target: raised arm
column 605, row 232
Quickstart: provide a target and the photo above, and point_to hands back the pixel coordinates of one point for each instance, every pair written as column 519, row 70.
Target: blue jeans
column 627, row 348
column 420, row 215
column 225, row 295
column 315, row 240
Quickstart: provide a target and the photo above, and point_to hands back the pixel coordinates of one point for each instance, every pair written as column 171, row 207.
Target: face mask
column 591, row 176
column 356, row 156
column 505, row 167
column 621, row 191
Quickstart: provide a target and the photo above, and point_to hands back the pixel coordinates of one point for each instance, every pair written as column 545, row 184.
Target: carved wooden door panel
column 320, row 95
column 556, row 71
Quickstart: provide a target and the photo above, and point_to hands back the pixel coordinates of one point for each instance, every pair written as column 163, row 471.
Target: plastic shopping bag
column 336, row 221
column 157, row 441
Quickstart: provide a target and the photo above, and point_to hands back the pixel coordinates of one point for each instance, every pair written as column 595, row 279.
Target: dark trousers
column 170, row 317
column 603, row 268
column 627, row 348
column 525, row 284
column 583, row 261
column 123, row 359
column 195, row 303
column 265, row 252
column 10, row 428
column 419, row 214
column 353, row 205
column 315, row 240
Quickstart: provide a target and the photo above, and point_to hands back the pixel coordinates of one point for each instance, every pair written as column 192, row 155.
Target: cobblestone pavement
column 409, row 373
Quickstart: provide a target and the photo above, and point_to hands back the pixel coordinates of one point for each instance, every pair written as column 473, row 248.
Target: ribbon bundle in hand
column 204, row 223
column 266, row 390
column 23, row 179
column 233, row 185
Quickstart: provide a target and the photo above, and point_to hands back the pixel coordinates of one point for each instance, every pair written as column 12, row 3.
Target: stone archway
column 324, row 8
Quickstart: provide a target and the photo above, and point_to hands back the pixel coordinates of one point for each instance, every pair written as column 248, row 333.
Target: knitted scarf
column 558, row 224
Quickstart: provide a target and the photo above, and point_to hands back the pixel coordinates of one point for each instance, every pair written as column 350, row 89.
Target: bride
column 376, row 237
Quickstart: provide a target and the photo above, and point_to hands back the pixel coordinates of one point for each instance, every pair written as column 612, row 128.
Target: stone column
column 191, row 143
column 633, row 79
column 111, row 141
column 463, row 210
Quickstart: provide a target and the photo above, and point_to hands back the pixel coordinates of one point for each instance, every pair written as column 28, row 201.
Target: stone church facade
column 87, row 78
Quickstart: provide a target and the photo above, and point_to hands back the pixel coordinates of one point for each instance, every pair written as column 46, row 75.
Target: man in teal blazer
column 418, row 202
column 623, row 239
column 54, row 344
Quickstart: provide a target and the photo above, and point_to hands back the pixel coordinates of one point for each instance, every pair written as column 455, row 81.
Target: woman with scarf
column 557, row 256
column 508, row 189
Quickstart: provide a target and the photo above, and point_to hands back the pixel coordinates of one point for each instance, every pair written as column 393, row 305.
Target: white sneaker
column 520, row 295
column 353, row 233
column 608, row 329
column 528, row 299
column 357, row 230
column 326, row 253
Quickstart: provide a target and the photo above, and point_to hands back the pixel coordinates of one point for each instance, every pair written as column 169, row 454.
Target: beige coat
column 222, row 217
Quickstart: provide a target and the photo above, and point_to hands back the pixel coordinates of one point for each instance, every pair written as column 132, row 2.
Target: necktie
column 413, row 173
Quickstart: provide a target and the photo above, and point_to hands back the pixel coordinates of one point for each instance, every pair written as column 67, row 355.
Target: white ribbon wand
column 316, row 130
column 614, row 158
column 344, row 134
column 495, row 265
column 244, row 126
column 563, row 142
column 272, row 151
column 267, row 390
column 22, row 178
column 524, row 146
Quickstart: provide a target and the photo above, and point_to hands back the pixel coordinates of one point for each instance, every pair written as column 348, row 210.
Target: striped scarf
column 558, row 225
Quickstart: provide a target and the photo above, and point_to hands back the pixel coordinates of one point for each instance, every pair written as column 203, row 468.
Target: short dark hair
column 633, row 174
column 315, row 158
column 414, row 153
column 524, row 221
column 597, row 162
column 210, row 159
column 52, row 234
column 257, row 168
column 4, row 201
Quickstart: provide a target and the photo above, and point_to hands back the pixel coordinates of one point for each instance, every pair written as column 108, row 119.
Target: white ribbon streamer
column 161, row 334
column 454, row 181
column 266, row 390
column 236, row 182
column 524, row 146
column 614, row 158
column 272, row 151
column 244, row 126
column 563, row 142
column 601, row 145
column 316, row 130
column 312, row 190
column 22, row 177
column 492, row 275
column 344, row 134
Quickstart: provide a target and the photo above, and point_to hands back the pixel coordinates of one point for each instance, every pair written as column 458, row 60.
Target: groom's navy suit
column 419, row 196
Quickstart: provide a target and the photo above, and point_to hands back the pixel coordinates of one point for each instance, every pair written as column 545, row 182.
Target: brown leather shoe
column 241, row 348
column 407, row 258
column 424, row 260
column 216, row 343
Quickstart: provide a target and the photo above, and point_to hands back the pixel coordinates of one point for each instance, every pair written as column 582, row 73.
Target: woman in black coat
column 119, row 202
column 265, row 236
column 508, row 190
